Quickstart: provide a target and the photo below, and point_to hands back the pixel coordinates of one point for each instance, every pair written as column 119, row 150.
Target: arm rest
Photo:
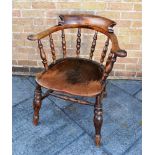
column 43, row 34
column 115, row 46
column 121, row 53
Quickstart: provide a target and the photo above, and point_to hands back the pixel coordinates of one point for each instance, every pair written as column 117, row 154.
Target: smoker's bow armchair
column 75, row 75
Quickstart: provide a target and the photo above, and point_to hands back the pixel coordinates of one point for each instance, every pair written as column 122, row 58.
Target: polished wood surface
column 105, row 49
column 98, row 119
column 52, row 48
column 93, row 45
column 77, row 76
column 42, row 54
column 37, row 104
column 63, row 43
column 78, row 42
column 97, row 23
column 85, row 19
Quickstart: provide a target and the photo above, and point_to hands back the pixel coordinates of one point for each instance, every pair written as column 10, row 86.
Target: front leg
column 98, row 119
column 36, row 104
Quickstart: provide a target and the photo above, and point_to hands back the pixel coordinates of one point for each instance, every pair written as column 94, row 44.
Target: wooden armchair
column 75, row 75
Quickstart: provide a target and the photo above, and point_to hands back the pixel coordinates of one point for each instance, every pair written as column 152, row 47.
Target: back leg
column 104, row 91
column 36, row 104
column 98, row 119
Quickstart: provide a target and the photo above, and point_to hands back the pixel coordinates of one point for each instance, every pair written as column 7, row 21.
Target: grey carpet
column 66, row 128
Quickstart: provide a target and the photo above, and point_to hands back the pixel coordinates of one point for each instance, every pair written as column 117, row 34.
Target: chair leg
column 98, row 120
column 104, row 91
column 36, row 104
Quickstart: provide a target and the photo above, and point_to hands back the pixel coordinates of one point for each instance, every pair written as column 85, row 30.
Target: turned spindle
column 93, row 45
column 78, row 45
column 63, row 44
column 42, row 54
column 109, row 65
column 105, row 49
column 52, row 48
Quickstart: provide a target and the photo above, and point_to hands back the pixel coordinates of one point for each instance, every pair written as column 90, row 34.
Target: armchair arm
column 115, row 46
column 43, row 34
column 121, row 53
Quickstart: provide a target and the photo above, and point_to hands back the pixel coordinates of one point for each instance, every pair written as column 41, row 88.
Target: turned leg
column 104, row 93
column 36, row 104
column 98, row 119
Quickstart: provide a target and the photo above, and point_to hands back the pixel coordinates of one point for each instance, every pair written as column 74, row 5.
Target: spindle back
column 96, row 23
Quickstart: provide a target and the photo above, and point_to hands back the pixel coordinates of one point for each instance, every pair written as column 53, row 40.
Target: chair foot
column 98, row 120
column 35, row 120
column 36, row 104
column 97, row 140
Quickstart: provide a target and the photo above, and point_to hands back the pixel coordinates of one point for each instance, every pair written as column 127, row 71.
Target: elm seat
column 76, row 76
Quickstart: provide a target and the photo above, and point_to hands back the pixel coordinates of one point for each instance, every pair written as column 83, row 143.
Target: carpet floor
column 66, row 128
